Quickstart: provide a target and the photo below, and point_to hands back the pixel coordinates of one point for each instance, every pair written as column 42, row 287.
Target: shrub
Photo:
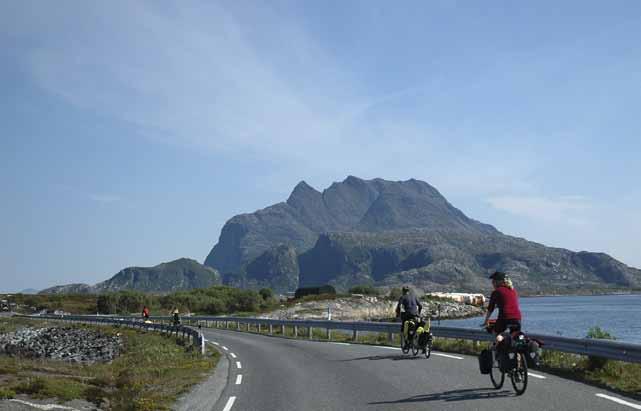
column 364, row 289
column 325, row 289
column 597, row 363
column 6, row 393
column 266, row 293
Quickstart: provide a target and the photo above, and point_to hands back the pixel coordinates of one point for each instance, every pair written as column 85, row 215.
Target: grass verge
column 150, row 374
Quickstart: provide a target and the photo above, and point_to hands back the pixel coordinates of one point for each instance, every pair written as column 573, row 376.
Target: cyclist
column 145, row 313
column 506, row 299
column 411, row 309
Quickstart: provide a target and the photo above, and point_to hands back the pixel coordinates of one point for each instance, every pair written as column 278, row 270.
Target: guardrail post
column 311, row 333
column 202, row 344
column 329, row 334
column 271, row 329
column 390, row 338
column 237, row 325
column 258, row 328
column 295, row 331
column 355, row 335
column 282, row 329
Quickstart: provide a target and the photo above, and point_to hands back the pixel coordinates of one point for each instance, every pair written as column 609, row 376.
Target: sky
column 131, row 131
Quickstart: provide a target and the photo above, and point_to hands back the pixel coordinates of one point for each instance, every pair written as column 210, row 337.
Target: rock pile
column 365, row 309
column 67, row 344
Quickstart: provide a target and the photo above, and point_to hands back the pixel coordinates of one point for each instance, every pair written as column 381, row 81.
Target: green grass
column 6, row 393
column 151, row 373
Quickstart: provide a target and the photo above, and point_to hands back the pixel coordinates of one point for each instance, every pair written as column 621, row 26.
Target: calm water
column 620, row 315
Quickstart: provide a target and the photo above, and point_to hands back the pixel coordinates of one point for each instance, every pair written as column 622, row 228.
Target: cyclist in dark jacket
column 411, row 307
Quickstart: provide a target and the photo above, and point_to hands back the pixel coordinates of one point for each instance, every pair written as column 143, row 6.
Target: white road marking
column 448, row 356
column 239, row 379
column 215, row 343
column 225, row 348
column 230, row 403
column 232, row 355
column 531, row 374
column 238, row 365
column 389, row 348
column 340, row 343
column 44, row 406
column 620, row 401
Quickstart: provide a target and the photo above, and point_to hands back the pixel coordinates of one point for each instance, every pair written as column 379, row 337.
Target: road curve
column 269, row 373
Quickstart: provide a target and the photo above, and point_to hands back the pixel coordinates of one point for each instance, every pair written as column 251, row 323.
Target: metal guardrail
column 614, row 350
column 186, row 332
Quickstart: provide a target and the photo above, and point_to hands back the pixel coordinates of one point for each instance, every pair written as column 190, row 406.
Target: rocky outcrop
column 277, row 268
column 178, row 275
column 66, row 344
column 369, row 309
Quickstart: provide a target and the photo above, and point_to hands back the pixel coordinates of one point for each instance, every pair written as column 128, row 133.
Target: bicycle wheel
column 496, row 375
column 404, row 347
column 415, row 347
column 428, row 349
column 519, row 374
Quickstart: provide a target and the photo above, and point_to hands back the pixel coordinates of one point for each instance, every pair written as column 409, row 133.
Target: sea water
column 573, row 316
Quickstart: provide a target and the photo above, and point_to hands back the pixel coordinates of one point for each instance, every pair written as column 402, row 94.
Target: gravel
column 67, row 344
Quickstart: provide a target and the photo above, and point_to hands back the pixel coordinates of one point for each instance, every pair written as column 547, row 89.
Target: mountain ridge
column 180, row 274
column 391, row 232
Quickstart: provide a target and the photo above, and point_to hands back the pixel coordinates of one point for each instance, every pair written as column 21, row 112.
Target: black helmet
column 498, row 276
column 406, row 289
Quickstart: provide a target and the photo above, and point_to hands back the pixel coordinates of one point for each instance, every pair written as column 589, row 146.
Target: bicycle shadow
column 394, row 357
column 452, row 396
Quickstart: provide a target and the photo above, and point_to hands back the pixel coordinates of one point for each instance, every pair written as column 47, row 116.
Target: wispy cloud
column 563, row 209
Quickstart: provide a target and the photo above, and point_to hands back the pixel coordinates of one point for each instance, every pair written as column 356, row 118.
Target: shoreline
column 586, row 294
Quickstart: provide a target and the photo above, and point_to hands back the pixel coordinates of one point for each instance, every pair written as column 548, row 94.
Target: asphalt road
column 269, row 373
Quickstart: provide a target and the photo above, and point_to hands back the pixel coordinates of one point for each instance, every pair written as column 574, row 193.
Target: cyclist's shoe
column 424, row 350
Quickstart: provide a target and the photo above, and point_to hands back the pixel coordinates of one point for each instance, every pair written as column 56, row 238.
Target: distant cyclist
column 145, row 313
column 411, row 307
column 506, row 299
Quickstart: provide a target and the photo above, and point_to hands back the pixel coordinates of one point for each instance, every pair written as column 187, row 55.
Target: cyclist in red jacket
column 506, row 299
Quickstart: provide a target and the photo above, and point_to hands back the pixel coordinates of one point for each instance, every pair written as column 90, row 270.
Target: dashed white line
column 531, row 374
column 215, row 343
column 448, row 356
column 341, row 343
column 230, row 403
column 225, row 348
column 620, row 401
column 232, row 355
column 238, row 365
column 239, row 379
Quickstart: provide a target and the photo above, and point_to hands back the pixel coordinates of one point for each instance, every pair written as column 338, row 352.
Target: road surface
column 269, row 373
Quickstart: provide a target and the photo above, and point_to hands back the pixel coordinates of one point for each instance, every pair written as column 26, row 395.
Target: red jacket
column 508, row 302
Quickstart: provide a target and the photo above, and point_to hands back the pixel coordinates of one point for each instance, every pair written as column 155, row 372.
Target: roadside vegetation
column 150, row 374
column 214, row 300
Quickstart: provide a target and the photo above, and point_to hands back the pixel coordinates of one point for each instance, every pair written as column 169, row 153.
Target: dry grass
column 151, row 373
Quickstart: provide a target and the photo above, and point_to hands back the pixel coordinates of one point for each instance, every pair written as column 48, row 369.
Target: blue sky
column 131, row 131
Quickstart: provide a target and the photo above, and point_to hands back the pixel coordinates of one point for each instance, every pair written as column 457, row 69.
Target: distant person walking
column 175, row 313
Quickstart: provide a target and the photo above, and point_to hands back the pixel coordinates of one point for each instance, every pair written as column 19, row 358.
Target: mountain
column 389, row 233
column 29, row 291
column 355, row 204
column 181, row 274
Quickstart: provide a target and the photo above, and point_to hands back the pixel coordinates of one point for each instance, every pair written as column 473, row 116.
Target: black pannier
column 485, row 361
column 533, row 355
